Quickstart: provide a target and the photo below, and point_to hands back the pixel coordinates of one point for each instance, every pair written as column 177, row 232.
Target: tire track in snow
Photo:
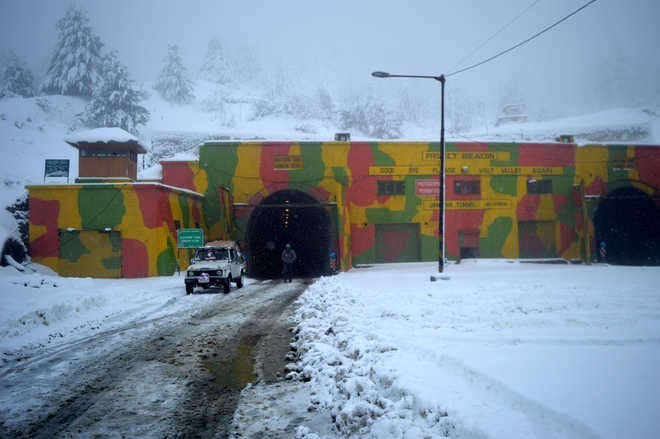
column 530, row 418
column 79, row 380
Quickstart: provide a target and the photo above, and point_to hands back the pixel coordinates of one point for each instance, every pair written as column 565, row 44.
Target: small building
column 107, row 224
column 106, row 153
column 111, row 230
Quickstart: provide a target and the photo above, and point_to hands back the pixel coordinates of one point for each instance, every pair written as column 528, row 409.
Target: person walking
column 603, row 252
column 288, row 258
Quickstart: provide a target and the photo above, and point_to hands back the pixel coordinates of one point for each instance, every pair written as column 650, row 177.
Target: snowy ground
column 133, row 358
column 39, row 308
column 500, row 350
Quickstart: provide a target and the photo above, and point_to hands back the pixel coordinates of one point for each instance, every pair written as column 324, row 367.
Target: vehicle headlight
column 219, row 273
column 190, row 274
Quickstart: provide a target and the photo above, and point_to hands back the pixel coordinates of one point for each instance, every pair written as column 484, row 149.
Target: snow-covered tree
column 246, row 65
column 285, row 94
column 460, row 111
column 174, row 84
column 326, row 106
column 371, row 117
column 116, row 103
column 408, row 107
column 216, row 67
column 15, row 78
column 75, row 67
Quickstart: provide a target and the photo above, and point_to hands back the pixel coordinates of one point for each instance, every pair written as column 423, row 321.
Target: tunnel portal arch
column 288, row 216
column 628, row 222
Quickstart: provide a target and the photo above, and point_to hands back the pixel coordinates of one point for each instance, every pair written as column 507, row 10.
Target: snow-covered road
column 173, row 368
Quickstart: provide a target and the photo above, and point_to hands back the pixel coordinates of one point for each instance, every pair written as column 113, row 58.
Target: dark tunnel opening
column 627, row 222
column 288, row 216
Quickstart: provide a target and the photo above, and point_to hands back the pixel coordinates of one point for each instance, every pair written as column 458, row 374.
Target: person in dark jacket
column 288, row 258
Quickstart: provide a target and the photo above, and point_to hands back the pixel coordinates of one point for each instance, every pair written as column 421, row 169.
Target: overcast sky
column 342, row 41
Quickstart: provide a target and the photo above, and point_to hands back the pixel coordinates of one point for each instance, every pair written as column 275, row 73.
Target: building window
column 467, row 187
column 539, row 186
column 391, row 188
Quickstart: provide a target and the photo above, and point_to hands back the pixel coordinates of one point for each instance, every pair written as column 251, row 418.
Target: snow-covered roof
column 105, row 135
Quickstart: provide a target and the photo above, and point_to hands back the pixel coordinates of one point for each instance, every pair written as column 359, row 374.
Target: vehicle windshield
column 212, row 254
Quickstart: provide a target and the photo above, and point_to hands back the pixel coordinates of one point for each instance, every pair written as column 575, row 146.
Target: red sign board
column 427, row 187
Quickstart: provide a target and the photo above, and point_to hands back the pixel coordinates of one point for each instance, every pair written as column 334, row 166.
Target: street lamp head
column 380, row 74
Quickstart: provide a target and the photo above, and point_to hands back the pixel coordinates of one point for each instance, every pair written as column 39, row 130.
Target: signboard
column 452, row 168
column 287, row 162
column 467, row 204
column 427, row 187
column 501, row 156
column 56, row 168
column 190, row 238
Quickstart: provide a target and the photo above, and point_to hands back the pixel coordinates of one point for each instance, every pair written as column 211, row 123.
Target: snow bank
column 341, row 357
column 503, row 350
column 38, row 307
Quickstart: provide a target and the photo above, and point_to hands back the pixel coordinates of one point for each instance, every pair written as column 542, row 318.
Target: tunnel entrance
column 288, row 216
column 628, row 222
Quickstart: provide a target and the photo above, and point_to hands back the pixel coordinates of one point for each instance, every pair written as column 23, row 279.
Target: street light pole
column 441, row 217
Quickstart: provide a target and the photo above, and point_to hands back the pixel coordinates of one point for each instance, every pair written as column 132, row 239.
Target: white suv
column 217, row 264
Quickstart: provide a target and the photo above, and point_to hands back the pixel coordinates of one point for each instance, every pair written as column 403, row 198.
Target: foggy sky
column 340, row 42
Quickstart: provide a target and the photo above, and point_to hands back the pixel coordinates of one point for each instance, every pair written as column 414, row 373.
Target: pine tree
column 371, row 117
column 75, row 68
column 216, row 67
column 15, row 78
column 326, row 107
column 173, row 83
column 116, row 103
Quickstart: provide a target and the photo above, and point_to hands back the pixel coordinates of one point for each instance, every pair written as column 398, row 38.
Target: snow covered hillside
column 622, row 126
column 33, row 129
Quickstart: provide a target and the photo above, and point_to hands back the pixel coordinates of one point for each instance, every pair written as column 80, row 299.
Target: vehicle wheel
column 190, row 288
column 226, row 285
column 239, row 281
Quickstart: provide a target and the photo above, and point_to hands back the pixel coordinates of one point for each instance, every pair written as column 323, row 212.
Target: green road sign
column 190, row 238
column 56, row 168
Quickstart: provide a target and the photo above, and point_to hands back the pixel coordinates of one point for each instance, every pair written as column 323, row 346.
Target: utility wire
column 497, row 55
column 499, row 31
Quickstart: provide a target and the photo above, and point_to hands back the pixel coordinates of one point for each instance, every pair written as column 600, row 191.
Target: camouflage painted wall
column 110, row 230
column 502, row 199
